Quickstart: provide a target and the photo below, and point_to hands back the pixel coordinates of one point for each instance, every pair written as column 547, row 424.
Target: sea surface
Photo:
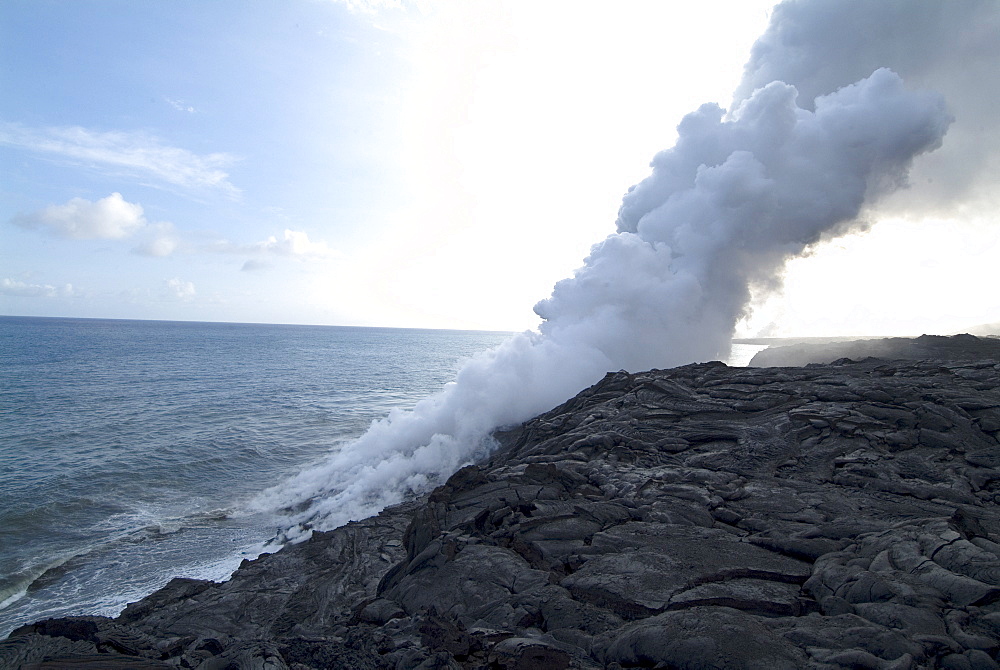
column 130, row 449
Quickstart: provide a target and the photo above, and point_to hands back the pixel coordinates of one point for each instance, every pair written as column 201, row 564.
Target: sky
column 432, row 164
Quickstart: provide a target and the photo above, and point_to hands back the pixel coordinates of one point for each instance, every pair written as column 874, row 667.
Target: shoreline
column 615, row 525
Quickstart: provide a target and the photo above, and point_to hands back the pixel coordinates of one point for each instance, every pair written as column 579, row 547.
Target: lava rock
column 829, row 516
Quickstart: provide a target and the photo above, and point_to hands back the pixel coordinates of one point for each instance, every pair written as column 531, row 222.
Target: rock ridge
column 830, row 516
column 955, row 347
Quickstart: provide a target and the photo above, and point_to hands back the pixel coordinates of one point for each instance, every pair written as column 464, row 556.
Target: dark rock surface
column 839, row 516
column 954, row 348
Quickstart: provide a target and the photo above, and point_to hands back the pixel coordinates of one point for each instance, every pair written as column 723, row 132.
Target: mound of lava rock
column 832, row 516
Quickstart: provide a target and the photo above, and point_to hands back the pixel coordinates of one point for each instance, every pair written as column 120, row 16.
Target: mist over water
column 723, row 209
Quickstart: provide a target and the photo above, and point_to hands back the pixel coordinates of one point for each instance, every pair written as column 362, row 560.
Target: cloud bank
column 291, row 244
column 295, row 243
column 20, row 289
column 376, row 6
column 178, row 289
column 161, row 241
column 109, row 218
column 114, row 218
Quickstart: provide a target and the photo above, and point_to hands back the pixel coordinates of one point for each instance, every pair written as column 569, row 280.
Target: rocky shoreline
column 830, row 516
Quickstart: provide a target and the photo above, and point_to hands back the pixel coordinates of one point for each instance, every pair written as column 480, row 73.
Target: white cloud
column 22, row 289
column 375, row 6
column 132, row 152
column 109, row 218
column 180, row 105
column 295, row 243
column 822, row 45
column 179, row 289
column 161, row 243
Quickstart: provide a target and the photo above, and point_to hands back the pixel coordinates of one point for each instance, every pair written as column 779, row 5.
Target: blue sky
column 324, row 162
column 431, row 164
column 228, row 123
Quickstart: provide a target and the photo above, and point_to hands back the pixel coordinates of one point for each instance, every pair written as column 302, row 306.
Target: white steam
column 949, row 47
column 722, row 211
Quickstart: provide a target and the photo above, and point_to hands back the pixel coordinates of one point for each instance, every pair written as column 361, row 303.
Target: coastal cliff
column 831, row 516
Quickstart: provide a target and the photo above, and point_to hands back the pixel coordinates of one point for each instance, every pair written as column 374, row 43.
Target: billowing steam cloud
column 723, row 209
column 727, row 205
column 819, row 46
column 721, row 212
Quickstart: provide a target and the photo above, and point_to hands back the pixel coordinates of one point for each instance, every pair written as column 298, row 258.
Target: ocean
column 130, row 450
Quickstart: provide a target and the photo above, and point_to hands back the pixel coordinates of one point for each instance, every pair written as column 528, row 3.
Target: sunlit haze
column 428, row 164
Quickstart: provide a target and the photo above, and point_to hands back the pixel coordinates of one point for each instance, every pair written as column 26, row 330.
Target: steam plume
column 722, row 210
column 819, row 46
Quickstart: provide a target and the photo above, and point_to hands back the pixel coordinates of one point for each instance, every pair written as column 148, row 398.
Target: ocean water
column 742, row 353
column 129, row 450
